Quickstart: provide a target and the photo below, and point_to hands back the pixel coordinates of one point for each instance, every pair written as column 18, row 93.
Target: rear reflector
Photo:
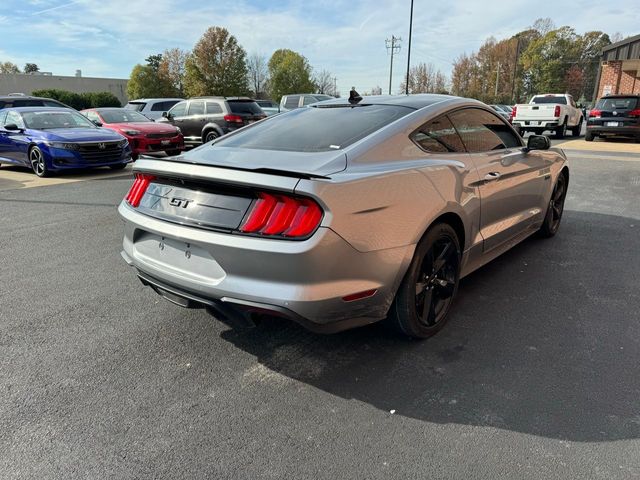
column 282, row 215
column 360, row 295
column 139, row 187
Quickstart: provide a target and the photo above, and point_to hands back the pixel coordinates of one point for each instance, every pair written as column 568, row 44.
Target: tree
column 172, row 69
column 8, row 67
column 289, row 72
column 258, row 73
column 144, row 82
column 217, row 66
column 543, row 25
column 424, row 78
column 324, row 83
column 31, row 68
column 154, row 61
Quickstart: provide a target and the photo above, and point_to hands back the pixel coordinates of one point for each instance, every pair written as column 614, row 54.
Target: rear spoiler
column 259, row 178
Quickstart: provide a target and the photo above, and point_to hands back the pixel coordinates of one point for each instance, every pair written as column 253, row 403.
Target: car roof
column 622, row 95
column 25, row 97
column 41, row 109
column 416, row 101
column 140, row 100
column 215, row 97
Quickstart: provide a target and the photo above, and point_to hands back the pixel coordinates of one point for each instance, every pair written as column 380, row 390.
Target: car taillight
column 140, row 185
column 556, row 112
column 233, row 118
column 634, row 113
column 282, row 215
column 595, row 114
column 514, row 111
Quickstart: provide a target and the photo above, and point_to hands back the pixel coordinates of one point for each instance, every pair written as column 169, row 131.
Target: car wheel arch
column 211, row 126
column 454, row 220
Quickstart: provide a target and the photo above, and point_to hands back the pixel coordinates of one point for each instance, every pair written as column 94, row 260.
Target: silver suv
column 152, row 107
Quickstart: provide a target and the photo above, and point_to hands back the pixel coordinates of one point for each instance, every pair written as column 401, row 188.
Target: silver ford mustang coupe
column 344, row 213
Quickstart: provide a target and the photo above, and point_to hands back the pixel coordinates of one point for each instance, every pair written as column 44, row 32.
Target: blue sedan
column 48, row 139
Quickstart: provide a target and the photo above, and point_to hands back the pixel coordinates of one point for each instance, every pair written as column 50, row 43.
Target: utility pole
column 406, row 90
column 497, row 80
column 393, row 47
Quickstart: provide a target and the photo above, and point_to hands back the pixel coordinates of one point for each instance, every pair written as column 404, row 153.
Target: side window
column 159, row 107
column 51, row 103
column 438, row 135
column 14, row 117
column 292, row 102
column 179, row 110
column 213, row 108
column 308, row 100
column 3, row 116
column 196, row 108
column 482, row 131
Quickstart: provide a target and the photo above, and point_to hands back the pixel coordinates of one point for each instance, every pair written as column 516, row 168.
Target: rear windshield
column 316, row 129
column 623, row 103
column 122, row 116
column 552, row 99
column 239, row 106
column 137, row 106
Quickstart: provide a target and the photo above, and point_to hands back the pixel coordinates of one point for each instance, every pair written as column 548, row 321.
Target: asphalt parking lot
column 535, row 376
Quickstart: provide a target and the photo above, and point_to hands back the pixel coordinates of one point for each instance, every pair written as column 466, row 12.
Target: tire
column 210, row 136
column 172, row 153
column 120, row 166
column 38, row 162
column 555, row 209
column 561, row 131
column 575, row 131
column 433, row 276
column 589, row 136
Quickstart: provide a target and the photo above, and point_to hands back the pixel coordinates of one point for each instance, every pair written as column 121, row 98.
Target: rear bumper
column 304, row 281
column 140, row 145
column 536, row 124
column 632, row 131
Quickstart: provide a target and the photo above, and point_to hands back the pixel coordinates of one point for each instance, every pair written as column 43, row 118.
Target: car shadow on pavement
column 544, row 341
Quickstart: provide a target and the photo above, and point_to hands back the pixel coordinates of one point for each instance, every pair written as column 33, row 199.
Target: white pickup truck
column 556, row 112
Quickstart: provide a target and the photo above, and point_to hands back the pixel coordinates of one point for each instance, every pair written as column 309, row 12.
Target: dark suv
column 615, row 115
column 203, row 119
column 11, row 101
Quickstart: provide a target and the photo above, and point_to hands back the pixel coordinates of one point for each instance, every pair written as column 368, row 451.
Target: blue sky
column 108, row 37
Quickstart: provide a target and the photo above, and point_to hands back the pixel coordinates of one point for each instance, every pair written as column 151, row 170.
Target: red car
column 144, row 135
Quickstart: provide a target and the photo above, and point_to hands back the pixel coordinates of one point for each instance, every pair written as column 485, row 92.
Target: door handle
column 492, row 176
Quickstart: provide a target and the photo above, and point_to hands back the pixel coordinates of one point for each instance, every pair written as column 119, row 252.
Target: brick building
column 620, row 68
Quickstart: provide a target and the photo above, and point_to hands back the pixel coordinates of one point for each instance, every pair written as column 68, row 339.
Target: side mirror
column 538, row 142
column 12, row 127
column 166, row 115
column 97, row 123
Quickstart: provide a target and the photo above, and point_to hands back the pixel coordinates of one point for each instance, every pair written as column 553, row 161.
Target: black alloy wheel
column 556, row 208
column 38, row 163
column 429, row 287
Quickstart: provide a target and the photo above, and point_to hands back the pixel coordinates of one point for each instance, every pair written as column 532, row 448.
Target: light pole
column 393, row 47
column 409, row 49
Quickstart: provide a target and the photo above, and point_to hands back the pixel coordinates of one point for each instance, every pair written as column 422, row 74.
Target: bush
column 80, row 101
